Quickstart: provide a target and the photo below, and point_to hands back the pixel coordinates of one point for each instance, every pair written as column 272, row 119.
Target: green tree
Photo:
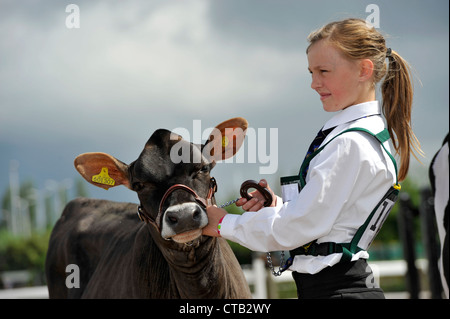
column 80, row 188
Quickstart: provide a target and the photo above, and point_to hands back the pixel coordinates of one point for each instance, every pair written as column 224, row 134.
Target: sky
column 134, row 66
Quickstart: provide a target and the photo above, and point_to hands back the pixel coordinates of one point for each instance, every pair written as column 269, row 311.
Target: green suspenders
column 368, row 231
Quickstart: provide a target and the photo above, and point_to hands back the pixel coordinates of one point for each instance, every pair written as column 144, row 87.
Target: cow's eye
column 205, row 169
column 138, row 186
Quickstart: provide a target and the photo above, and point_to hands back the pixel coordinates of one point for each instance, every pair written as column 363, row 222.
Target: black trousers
column 345, row 280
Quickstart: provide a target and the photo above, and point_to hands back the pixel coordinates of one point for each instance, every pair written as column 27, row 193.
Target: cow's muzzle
column 183, row 222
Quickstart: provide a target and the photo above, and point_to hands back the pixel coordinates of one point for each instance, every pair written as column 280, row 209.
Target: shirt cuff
column 227, row 225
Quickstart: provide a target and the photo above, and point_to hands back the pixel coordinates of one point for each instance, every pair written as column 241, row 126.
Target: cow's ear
column 226, row 139
column 102, row 170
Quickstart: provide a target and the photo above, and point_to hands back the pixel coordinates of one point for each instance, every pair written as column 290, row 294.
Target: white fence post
column 259, row 279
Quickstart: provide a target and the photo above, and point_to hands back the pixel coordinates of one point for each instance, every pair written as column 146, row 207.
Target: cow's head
column 163, row 163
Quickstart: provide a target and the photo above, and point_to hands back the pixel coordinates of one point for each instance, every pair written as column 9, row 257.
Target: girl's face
column 336, row 78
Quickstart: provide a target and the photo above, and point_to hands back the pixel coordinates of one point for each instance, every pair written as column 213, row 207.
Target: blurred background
column 129, row 68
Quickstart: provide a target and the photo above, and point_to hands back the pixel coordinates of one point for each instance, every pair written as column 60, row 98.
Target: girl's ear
column 365, row 69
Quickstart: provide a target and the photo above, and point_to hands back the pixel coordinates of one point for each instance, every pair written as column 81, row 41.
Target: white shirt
column 344, row 183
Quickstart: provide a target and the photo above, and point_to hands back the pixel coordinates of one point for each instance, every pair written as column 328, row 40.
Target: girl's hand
column 215, row 214
column 257, row 202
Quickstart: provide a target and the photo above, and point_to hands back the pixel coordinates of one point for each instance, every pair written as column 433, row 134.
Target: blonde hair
column 356, row 40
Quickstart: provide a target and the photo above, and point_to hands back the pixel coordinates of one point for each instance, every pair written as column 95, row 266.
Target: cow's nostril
column 197, row 214
column 173, row 220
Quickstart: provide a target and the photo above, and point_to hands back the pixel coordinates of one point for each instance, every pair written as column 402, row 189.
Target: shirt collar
column 353, row 113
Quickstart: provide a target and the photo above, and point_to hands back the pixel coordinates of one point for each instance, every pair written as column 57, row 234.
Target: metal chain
column 272, row 268
column 229, row 203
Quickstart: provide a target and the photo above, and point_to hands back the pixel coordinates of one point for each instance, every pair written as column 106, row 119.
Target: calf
column 155, row 249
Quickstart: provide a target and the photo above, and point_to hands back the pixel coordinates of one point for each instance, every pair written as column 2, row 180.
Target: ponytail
column 397, row 93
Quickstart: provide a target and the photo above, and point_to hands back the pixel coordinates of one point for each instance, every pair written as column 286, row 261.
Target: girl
column 348, row 178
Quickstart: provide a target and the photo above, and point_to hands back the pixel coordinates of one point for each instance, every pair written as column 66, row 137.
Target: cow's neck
column 209, row 270
column 196, row 270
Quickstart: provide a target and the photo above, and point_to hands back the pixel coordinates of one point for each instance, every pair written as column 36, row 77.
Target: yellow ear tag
column 103, row 178
column 225, row 141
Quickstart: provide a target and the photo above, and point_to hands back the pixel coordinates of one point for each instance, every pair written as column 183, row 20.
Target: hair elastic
column 388, row 53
